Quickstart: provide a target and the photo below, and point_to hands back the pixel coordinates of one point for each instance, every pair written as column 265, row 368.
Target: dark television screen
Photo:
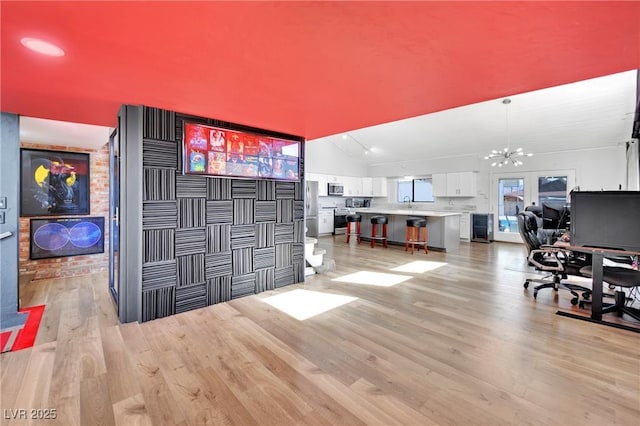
column 66, row 237
column 608, row 219
column 216, row 151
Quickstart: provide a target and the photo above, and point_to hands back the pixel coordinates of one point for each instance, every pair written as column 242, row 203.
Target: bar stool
column 379, row 220
column 415, row 226
column 355, row 219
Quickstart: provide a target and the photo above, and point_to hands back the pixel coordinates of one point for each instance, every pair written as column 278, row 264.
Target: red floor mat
column 27, row 335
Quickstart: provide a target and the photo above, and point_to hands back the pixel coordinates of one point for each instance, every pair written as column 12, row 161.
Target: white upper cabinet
column 352, row 186
column 378, row 187
column 461, row 184
column 367, row 186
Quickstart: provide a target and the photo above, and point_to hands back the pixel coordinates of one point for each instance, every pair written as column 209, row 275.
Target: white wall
column 324, row 157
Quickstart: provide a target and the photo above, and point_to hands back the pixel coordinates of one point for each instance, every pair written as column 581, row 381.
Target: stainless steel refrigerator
column 311, row 203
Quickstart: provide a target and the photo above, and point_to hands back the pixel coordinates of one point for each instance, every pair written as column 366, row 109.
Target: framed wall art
column 60, row 237
column 54, row 183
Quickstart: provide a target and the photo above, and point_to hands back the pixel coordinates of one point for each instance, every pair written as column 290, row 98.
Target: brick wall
column 75, row 265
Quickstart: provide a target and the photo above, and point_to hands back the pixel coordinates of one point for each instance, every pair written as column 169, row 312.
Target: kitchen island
column 443, row 227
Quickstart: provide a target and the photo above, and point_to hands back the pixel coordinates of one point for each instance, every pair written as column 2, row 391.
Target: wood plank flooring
column 462, row 344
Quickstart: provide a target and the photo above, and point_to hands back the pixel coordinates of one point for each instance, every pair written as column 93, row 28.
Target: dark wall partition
column 207, row 240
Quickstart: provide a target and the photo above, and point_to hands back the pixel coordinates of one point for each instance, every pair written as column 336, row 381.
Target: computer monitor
column 607, row 219
column 555, row 217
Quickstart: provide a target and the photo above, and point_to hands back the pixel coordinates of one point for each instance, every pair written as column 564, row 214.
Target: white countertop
column 405, row 212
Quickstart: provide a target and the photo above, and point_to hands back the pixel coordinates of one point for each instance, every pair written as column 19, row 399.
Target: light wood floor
column 463, row 344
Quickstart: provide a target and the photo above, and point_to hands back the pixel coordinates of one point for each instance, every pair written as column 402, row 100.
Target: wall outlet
column 3, row 202
column 1, row 218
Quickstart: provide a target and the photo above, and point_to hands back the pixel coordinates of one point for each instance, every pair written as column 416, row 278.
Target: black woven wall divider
column 209, row 240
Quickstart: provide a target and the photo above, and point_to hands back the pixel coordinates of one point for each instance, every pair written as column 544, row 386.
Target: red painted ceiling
column 307, row 68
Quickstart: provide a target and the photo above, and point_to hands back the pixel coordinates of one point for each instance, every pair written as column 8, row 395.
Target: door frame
column 114, row 150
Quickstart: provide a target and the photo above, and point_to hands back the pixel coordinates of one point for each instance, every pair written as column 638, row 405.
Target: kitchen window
column 415, row 190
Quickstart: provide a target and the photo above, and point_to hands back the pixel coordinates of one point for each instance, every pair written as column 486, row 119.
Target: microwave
column 335, row 189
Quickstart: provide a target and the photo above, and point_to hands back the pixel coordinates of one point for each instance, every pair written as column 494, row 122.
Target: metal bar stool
column 379, row 220
column 355, row 219
column 415, row 226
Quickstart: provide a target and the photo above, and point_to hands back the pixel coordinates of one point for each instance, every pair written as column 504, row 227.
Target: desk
column 598, row 255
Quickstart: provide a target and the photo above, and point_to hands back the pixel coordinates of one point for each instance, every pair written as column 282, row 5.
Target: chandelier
column 505, row 156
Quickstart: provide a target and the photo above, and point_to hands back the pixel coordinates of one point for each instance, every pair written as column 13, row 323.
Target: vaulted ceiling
column 306, row 68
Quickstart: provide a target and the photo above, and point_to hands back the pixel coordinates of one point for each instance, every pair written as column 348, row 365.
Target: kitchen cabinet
column 325, row 222
column 465, row 226
column 352, row 186
column 322, row 182
column 379, row 187
column 461, row 184
column 367, row 186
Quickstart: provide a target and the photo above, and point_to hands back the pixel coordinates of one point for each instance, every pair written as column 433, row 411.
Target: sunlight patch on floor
column 379, row 279
column 304, row 304
column 419, row 266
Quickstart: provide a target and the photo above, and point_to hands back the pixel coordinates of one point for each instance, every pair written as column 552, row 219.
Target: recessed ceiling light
column 41, row 46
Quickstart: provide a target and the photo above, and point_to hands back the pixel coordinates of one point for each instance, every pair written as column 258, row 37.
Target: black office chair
column 622, row 278
column 559, row 262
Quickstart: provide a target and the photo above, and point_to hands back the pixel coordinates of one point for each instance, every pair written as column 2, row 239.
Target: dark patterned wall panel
column 218, row 189
column 159, row 124
column 265, row 211
column 158, row 303
column 191, row 213
column 285, row 190
column 159, row 274
column 189, row 298
column 298, row 231
column 298, row 272
column 190, row 270
column 284, row 233
column 159, row 244
column 243, row 236
column 191, row 186
column 298, row 210
column 162, row 154
column 266, row 190
column 218, row 238
column 217, row 265
column 243, row 189
column 284, row 276
column 218, row 290
column 190, row 241
column 206, row 240
column 298, row 191
column 159, row 184
column 265, row 234
column 219, row 212
column 298, row 253
column 264, row 257
column 243, row 212
column 265, row 279
column 159, row 215
column 243, row 285
column 284, row 255
column 284, row 210
column 242, row 261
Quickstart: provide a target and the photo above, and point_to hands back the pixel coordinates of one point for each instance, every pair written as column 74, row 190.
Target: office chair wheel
column 574, row 301
column 581, row 304
column 586, row 295
column 526, row 284
column 535, row 294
